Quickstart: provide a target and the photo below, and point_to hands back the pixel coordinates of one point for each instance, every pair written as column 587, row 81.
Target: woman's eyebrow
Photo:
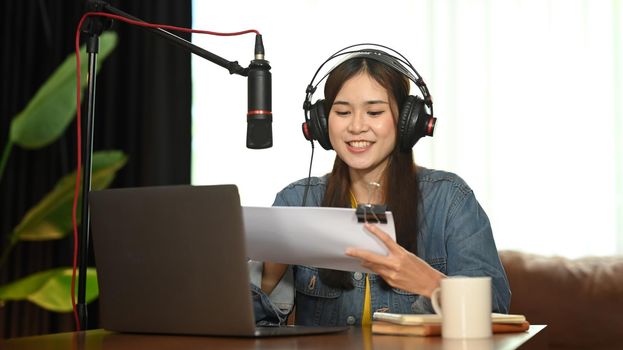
column 346, row 103
column 371, row 102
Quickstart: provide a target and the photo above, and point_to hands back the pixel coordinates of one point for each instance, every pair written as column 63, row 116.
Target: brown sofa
column 581, row 300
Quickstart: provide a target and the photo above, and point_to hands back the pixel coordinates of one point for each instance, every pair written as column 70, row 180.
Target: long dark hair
column 399, row 182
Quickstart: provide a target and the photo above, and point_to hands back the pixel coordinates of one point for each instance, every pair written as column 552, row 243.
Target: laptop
column 171, row 260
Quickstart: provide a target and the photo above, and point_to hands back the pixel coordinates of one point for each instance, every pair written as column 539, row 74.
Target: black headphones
column 414, row 121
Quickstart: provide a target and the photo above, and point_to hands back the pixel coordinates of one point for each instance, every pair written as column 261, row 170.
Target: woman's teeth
column 359, row 144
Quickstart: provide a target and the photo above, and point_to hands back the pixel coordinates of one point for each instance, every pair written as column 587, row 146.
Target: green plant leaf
column 50, row 111
column 49, row 289
column 51, row 218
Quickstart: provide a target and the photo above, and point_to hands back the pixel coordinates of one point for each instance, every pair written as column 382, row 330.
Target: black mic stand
column 94, row 28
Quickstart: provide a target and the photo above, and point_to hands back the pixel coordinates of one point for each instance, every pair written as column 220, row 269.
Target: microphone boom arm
column 232, row 66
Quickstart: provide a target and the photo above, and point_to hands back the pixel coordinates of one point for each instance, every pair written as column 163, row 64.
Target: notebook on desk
column 171, row 260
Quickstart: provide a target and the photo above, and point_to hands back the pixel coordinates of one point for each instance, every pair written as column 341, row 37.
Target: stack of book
column 430, row 324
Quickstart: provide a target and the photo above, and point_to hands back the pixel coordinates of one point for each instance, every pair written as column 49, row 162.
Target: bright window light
column 529, row 97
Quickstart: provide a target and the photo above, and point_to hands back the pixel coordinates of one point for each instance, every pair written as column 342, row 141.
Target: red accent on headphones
column 430, row 128
column 306, row 132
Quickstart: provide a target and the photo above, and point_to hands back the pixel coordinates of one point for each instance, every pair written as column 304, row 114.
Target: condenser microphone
column 259, row 115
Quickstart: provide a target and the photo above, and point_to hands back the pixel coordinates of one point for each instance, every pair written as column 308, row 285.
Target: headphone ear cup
column 412, row 122
column 319, row 124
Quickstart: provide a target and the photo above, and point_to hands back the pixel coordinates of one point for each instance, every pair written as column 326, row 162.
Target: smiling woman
column 441, row 230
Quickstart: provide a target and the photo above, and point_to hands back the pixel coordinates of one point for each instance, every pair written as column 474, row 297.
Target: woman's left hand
column 400, row 268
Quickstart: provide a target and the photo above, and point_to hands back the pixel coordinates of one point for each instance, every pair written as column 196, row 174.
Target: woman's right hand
column 271, row 275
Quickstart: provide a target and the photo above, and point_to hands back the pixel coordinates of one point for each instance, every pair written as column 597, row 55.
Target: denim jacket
column 454, row 237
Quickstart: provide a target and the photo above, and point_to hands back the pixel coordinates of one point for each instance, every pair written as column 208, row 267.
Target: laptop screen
column 172, row 259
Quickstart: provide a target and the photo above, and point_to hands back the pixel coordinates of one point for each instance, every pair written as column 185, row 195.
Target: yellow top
column 366, row 317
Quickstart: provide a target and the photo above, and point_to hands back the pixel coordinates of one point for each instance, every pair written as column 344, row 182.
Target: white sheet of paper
column 310, row 236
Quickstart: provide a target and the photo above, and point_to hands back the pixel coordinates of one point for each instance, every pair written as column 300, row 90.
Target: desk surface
column 355, row 338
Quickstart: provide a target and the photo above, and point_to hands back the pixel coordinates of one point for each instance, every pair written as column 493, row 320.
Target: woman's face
column 362, row 126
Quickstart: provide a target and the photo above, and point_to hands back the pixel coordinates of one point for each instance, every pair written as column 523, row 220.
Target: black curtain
column 143, row 107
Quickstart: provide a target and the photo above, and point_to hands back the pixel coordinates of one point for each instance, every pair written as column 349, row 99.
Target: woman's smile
column 359, row 146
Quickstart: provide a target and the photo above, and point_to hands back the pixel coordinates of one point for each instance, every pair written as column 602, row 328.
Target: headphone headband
column 395, row 60
column 383, row 57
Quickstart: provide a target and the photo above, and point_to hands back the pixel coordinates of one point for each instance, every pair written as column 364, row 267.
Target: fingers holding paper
column 400, row 268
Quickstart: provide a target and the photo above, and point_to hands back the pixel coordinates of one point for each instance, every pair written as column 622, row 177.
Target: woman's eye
column 375, row 113
column 342, row 113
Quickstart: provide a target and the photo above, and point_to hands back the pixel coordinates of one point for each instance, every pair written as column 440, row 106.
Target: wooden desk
column 355, row 338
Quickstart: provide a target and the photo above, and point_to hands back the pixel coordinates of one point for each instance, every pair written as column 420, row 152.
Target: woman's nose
column 357, row 123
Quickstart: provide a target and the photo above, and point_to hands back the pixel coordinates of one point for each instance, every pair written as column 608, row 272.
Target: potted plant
column 41, row 122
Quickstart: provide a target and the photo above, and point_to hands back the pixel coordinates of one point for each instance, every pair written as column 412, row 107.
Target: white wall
column 528, row 96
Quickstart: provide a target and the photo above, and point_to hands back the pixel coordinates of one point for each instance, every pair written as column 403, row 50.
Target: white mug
column 465, row 307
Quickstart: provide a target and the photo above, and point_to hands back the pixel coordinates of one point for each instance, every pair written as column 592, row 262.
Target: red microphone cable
column 79, row 131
